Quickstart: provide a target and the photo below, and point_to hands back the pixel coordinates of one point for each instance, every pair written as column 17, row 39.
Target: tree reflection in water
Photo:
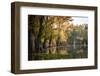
column 61, row 52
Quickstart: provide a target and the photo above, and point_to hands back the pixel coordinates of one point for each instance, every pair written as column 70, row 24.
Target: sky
column 80, row 20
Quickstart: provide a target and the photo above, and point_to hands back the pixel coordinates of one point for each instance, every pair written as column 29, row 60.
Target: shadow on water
column 61, row 52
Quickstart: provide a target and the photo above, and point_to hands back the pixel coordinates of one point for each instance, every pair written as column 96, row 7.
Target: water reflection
column 61, row 52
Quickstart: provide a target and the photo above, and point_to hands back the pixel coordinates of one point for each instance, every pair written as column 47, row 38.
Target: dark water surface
column 61, row 52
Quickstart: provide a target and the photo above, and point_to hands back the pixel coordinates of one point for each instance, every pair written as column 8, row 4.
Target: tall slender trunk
column 74, row 42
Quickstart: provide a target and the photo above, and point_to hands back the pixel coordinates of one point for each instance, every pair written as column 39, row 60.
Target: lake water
column 61, row 52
